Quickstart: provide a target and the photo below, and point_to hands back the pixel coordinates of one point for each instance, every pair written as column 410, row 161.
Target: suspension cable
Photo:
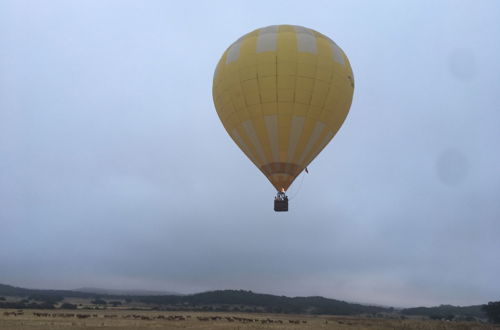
column 298, row 187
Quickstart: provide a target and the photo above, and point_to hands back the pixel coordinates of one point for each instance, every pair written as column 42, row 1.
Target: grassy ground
column 136, row 320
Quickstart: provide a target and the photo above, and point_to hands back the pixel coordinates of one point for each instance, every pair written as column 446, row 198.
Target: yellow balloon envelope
column 282, row 92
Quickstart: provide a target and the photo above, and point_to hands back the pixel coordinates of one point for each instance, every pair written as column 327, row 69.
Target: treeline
column 226, row 300
column 249, row 301
column 8, row 290
column 26, row 305
column 241, row 300
column 473, row 311
column 36, row 301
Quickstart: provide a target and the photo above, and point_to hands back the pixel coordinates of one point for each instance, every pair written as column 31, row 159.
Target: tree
column 67, row 306
column 492, row 310
column 46, row 298
column 98, row 301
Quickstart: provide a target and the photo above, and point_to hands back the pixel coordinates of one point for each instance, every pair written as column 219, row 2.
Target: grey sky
column 116, row 172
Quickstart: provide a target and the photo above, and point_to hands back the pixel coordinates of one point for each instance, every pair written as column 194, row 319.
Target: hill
column 8, row 290
column 116, row 292
column 444, row 311
column 213, row 300
column 241, row 300
column 250, row 301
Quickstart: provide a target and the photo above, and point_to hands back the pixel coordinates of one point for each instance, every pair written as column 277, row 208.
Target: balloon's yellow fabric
column 282, row 92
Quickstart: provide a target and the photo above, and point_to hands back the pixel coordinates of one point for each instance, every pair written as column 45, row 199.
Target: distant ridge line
column 125, row 292
column 246, row 300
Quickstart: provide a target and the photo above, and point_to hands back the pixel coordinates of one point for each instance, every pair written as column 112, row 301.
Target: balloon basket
column 281, row 202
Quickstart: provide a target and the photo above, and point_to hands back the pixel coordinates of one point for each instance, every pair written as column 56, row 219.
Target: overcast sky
column 116, row 172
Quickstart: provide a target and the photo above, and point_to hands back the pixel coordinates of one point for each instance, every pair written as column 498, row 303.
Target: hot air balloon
column 282, row 92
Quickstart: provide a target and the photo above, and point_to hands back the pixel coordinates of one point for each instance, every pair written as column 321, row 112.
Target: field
column 137, row 319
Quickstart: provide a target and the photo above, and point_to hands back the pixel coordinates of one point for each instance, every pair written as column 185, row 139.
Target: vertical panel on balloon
column 293, row 139
column 262, row 136
column 303, row 138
